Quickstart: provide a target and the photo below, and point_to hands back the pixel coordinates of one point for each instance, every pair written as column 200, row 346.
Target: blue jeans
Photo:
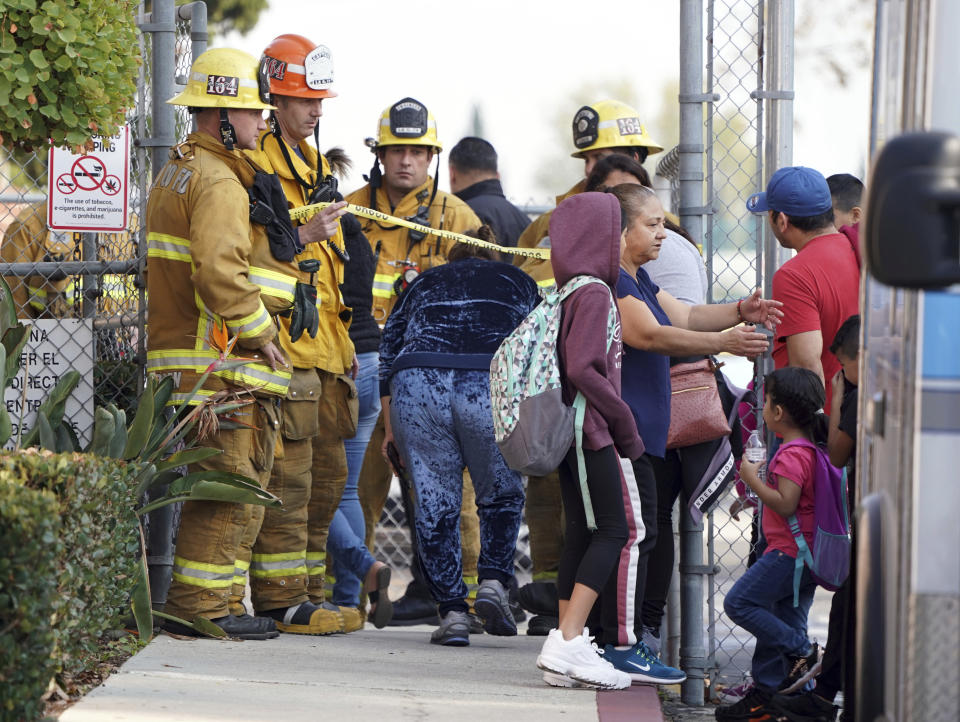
column 761, row 602
column 351, row 559
column 441, row 422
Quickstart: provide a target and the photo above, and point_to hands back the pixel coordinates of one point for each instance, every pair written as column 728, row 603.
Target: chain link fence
column 79, row 291
column 736, row 48
column 733, row 252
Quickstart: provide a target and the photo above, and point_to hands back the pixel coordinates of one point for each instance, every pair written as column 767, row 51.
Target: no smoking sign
column 89, row 192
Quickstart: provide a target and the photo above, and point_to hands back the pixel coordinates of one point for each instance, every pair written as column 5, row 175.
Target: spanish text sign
column 89, row 192
column 55, row 347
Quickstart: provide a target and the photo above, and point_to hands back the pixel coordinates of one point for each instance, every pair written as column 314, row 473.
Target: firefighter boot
column 308, row 618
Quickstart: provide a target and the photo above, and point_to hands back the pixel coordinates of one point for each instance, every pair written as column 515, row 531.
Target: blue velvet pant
column 441, row 423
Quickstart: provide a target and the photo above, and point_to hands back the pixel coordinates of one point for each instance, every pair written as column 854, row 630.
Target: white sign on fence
column 55, row 347
column 90, row 192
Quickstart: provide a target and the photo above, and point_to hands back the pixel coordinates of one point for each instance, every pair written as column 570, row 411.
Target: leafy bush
column 100, row 535
column 68, row 69
column 30, row 544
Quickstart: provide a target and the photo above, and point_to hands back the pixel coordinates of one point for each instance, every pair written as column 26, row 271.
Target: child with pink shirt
column 762, row 600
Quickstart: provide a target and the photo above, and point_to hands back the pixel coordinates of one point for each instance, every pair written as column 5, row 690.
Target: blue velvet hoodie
column 455, row 316
column 585, row 240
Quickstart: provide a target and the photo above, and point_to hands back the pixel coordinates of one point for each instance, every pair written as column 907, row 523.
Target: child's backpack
column 532, row 426
column 829, row 560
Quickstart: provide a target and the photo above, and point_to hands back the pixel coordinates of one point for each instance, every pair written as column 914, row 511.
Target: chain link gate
column 739, row 131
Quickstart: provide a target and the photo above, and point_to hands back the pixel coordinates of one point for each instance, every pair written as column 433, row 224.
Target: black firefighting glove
column 304, row 316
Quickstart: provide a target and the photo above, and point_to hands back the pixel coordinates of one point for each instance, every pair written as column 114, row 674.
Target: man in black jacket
column 474, row 179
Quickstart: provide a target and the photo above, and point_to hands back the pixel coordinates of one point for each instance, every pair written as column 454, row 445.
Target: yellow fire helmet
column 406, row 122
column 226, row 78
column 609, row 124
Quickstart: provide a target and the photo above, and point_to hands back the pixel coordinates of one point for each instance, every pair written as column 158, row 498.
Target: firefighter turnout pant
column 210, row 532
column 278, row 559
column 373, row 486
column 337, row 422
column 545, row 521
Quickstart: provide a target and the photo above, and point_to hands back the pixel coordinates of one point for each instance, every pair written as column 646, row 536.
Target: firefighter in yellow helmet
column 399, row 184
column 29, row 240
column 207, row 264
column 287, row 563
column 599, row 130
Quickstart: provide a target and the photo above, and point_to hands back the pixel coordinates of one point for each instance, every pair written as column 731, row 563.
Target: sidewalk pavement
column 391, row 674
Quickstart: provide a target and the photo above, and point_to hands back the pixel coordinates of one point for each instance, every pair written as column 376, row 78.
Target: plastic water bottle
column 756, row 451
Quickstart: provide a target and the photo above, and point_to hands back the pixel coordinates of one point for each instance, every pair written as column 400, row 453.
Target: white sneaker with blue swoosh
column 642, row 665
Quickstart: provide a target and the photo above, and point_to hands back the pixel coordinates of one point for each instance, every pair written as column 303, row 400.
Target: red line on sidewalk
column 640, row 703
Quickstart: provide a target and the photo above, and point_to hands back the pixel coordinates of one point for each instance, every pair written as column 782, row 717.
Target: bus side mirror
column 913, row 212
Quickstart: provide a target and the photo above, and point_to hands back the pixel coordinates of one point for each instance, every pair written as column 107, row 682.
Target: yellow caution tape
column 303, row 212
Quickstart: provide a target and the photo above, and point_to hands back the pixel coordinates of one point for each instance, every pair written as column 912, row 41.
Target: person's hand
column 761, row 310
column 387, row 441
column 323, row 225
column 273, row 356
column 736, row 506
column 836, row 388
column 750, row 471
column 744, row 341
column 354, row 367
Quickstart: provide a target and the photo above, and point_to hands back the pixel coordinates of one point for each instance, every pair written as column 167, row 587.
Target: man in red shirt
column 820, row 286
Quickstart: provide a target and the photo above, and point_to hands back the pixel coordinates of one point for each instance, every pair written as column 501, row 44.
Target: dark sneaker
column 802, row 668
column 513, row 595
column 244, row 626
column 651, row 638
column 476, row 624
column 493, row 607
column 540, row 625
column 540, row 598
column 750, row 708
column 414, row 608
column 729, row 695
column 642, row 665
column 805, row 707
column 454, row 630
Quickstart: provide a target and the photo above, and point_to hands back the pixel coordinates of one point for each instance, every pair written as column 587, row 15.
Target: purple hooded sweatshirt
column 585, row 240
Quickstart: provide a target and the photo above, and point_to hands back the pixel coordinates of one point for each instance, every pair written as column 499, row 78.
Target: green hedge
column 100, row 535
column 29, row 552
column 68, row 70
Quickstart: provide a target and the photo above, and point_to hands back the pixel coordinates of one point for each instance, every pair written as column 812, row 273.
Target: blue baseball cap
column 794, row 190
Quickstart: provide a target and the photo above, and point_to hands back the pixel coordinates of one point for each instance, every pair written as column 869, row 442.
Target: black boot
column 244, row 626
column 416, row 606
column 540, row 598
column 540, row 625
column 513, row 600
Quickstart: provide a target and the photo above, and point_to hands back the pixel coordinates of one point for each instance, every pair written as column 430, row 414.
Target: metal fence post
column 778, row 96
column 163, row 31
column 195, row 13
column 691, row 211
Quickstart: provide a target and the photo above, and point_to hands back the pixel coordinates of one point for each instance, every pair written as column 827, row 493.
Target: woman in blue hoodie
column 585, row 233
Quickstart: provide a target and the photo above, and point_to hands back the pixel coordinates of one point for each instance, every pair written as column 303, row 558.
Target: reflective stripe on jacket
column 447, row 212
column 201, row 249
